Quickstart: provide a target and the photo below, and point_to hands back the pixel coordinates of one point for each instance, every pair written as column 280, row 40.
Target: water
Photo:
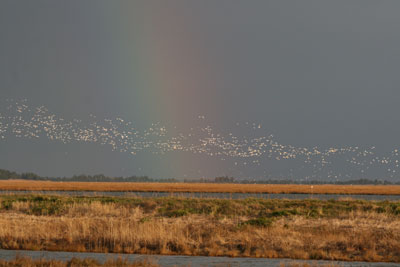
column 208, row 195
column 179, row 260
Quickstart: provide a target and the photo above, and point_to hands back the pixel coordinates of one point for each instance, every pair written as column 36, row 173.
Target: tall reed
column 308, row 229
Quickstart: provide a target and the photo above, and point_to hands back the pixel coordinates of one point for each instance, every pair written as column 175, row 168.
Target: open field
column 298, row 229
column 199, row 187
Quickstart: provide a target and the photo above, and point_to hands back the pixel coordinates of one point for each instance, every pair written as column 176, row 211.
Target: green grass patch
column 178, row 207
column 259, row 222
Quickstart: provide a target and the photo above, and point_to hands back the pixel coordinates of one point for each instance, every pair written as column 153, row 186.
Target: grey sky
column 313, row 73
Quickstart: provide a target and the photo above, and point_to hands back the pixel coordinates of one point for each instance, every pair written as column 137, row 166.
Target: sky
column 310, row 73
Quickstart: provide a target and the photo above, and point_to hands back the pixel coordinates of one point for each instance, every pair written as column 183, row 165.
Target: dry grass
column 74, row 262
column 361, row 234
column 189, row 187
column 119, row 262
column 306, row 264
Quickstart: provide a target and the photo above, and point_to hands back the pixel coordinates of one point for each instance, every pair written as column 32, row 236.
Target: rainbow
column 159, row 60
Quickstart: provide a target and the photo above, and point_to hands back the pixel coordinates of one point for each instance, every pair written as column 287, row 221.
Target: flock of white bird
column 19, row 119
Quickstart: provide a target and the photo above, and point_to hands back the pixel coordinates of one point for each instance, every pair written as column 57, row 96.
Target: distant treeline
column 6, row 175
column 347, row 182
column 226, row 179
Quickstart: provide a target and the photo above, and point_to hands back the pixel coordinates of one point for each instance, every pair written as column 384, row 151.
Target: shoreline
column 150, row 255
column 156, row 257
column 28, row 185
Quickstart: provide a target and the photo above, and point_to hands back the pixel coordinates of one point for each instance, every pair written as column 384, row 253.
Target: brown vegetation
column 306, row 264
column 74, row 262
column 198, row 187
column 301, row 229
column 119, row 262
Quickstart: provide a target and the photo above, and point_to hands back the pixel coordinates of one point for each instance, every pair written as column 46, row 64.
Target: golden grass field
column 198, row 187
column 349, row 230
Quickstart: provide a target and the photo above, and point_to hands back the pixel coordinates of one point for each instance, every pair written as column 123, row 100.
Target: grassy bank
column 193, row 187
column 298, row 229
column 120, row 262
column 74, row 262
